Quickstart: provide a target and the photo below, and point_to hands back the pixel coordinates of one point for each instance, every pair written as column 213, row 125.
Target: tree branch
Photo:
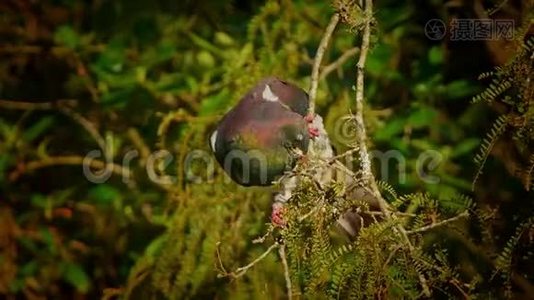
column 64, row 160
column 90, row 128
column 27, row 105
column 282, row 253
column 63, row 106
column 365, row 161
column 339, row 62
column 242, row 270
column 318, row 59
column 444, row 222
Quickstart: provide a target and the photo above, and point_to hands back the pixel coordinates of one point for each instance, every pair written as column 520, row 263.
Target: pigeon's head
column 290, row 95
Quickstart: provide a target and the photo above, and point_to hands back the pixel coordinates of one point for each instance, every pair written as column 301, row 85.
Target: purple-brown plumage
column 258, row 140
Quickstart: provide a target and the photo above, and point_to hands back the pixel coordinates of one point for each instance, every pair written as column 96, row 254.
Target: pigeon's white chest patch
column 268, row 94
column 213, row 139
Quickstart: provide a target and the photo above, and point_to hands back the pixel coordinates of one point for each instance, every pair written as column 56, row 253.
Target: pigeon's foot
column 277, row 215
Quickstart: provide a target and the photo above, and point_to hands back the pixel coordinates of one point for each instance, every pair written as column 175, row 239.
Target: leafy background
column 157, row 75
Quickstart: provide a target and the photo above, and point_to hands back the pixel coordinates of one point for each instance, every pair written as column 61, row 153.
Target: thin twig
column 318, row 58
column 390, row 256
column 261, row 239
column 242, row 270
column 444, row 222
column 397, row 213
column 64, row 160
column 27, row 105
column 324, row 162
column 282, row 253
column 90, row 128
column 27, row 49
column 223, row 269
column 339, row 62
column 139, row 143
column 346, row 153
column 456, row 284
column 178, row 116
column 88, row 82
column 308, row 214
column 109, row 293
column 63, row 105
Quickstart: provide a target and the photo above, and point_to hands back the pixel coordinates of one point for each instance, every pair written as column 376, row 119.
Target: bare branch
column 311, row 212
column 318, row 58
column 242, row 270
column 139, row 143
column 358, row 118
column 346, row 153
column 89, row 127
column 282, row 253
column 397, row 213
column 262, row 238
column 27, row 105
column 365, row 161
column 64, row 106
column 339, row 62
column 223, row 269
column 64, row 160
column 439, row 224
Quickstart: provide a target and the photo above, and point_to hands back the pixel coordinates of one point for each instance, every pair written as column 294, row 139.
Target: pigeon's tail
column 353, row 220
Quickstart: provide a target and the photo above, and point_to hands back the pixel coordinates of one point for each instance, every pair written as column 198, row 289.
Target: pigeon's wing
column 292, row 96
column 255, row 141
column 287, row 94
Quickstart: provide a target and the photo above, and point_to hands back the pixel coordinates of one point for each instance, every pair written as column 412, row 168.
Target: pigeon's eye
column 283, row 82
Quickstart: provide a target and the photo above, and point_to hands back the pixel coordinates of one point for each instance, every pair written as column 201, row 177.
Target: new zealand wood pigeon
column 263, row 135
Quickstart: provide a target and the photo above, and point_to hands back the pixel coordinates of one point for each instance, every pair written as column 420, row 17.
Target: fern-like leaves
column 496, row 131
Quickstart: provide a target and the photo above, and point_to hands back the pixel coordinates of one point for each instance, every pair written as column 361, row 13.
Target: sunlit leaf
column 423, row 116
column 75, row 275
column 65, row 35
column 223, row 39
column 392, row 128
column 48, row 239
column 38, row 128
column 465, row 147
column 215, row 103
column 104, row 194
column 459, row 89
column 435, row 55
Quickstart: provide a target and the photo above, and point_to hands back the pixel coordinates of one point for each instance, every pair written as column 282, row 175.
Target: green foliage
column 497, row 129
column 76, row 276
column 375, row 264
column 511, row 86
